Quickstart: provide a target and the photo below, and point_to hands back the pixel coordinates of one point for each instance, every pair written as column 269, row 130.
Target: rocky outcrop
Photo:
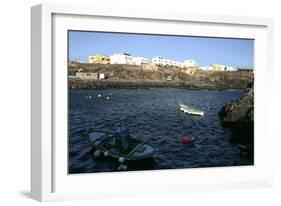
column 238, row 115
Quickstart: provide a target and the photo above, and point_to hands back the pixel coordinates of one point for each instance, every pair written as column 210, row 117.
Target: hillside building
column 221, row 67
column 190, row 63
column 121, row 58
column 140, row 60
column 161, row 61
column 87, row 75
column 99, row 59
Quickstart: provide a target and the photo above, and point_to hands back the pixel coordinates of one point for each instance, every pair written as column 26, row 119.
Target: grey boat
column 121, row 145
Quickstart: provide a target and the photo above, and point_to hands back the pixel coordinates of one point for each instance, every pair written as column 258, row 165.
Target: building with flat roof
column 140, row 60
column 190, row 63
column 99, row 59
column 161, row 61
column 87, row 75
column 121, row 58
column 221, row 67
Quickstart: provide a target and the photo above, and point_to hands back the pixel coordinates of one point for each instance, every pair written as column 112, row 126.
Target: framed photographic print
column 137, row 102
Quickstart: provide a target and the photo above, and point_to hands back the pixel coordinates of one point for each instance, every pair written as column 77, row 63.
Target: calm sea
column 153, row 116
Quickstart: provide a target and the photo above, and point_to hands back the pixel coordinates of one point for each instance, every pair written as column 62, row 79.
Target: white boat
column 169, row 78
column 191, row 110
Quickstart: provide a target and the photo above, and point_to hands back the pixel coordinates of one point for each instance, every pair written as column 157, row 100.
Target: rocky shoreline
column 238, row 115
column 130, row 84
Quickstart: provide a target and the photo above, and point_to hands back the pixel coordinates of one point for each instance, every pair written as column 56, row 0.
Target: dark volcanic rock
column 238, row 115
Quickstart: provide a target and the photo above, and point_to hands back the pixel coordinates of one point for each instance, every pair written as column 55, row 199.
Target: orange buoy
column 186, row 140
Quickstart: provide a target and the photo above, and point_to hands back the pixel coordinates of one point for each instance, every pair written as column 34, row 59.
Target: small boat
column 191, row 110
column 121, row 145
column 169, row 78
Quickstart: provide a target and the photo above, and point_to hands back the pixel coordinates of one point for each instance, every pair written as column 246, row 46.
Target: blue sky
column 206, row 51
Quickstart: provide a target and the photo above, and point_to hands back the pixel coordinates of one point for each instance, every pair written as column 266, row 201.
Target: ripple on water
column 152, row 115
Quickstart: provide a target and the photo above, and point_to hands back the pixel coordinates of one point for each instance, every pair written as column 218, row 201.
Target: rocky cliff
column 238, row 115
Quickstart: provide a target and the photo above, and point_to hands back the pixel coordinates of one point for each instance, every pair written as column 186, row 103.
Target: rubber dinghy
column 121, row 145
column 191, row 110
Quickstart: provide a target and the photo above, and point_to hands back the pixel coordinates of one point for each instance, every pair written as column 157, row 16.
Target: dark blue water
column 153, row 116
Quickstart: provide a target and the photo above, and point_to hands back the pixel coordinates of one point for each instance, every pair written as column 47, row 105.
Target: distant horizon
column 204, row 50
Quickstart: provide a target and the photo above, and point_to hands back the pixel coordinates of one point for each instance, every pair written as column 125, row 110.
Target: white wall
column 120, row 58
column 15, row 103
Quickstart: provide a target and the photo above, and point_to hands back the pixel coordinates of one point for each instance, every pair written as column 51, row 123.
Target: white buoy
column 108, row 98
column 90, row 97
column 99, row 95
column 105, row 153
column 121, row 160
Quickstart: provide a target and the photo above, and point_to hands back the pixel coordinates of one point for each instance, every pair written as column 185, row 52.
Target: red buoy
column 186, row 140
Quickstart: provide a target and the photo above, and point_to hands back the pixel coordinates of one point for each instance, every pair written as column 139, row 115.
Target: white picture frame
column 49, row 178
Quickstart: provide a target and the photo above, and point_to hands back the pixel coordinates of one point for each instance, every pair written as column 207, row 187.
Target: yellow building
column 218, row 67
column 99, row 59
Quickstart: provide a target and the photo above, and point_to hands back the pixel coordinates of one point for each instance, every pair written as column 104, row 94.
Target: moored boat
column 121, row 145
column 191, row 110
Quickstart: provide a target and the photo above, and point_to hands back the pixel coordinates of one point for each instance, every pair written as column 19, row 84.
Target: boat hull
column 103, row 142
column 190, row 110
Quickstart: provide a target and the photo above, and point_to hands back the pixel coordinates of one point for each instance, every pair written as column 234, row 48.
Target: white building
column 231, row 69
column 206, row 68
column 190, row 63
column 121, row 58
column 218, row 67
column 179, row 64
column 159, row 61
column 87, row 75
column 101, row 76
column 140, row 60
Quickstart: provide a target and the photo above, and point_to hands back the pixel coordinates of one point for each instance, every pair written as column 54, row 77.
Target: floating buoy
column 107, row 98
column 90, row 97
column 186, row 140
column 105, row 153
column 99, row 95
column 97, row 154
column 121, row 160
